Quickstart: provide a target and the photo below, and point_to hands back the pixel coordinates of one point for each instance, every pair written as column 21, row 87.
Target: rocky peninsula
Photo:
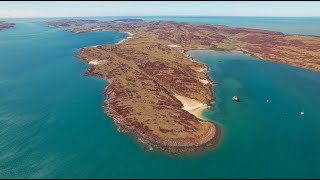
column 156, row 91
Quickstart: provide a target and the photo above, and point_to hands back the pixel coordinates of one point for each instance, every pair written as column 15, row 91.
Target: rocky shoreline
column 146, row 141
column 147, row 71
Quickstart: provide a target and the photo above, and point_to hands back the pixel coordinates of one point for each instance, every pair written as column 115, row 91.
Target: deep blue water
column 52, row 123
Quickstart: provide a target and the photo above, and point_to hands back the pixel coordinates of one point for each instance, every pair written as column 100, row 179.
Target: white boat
column 302, row 113
column 235, row 98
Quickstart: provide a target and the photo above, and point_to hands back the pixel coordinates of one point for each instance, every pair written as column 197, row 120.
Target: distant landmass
column 157, row 91
column 4, row 25
column 72, row 22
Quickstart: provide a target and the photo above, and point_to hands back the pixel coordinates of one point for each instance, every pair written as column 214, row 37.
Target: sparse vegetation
column 144, row 74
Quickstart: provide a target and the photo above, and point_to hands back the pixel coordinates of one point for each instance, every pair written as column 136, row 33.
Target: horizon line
column 160, row 16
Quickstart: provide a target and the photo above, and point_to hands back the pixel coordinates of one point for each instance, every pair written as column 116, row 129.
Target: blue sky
column 159, row 8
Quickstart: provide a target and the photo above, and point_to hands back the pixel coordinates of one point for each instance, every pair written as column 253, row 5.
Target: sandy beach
column 174, row 46
column 94, row 62
column 129, row 33
column 128, row 37
column 192, row 106
column 204, row 81
column 95, row 29
column 121, row 41
column 202, row 70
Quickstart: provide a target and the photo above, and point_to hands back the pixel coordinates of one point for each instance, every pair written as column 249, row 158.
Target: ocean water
column 265, row 134
column 52, row 123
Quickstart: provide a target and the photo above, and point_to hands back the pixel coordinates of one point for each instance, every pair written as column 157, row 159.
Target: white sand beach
column 130, row 34
column 128, row 37
column 123, row 40
column 95, row 29
column 94, row 62
column 202, row 70
column 204, row 81
column 174, row 46
column 192, row 106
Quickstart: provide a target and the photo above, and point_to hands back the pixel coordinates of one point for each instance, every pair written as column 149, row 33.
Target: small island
column 157, row 92
column 4, row 25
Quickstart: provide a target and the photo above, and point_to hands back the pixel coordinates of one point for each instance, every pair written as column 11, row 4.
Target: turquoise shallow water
column 52, row 123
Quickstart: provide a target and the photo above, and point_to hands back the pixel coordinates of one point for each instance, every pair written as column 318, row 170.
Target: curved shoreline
column 151, row 143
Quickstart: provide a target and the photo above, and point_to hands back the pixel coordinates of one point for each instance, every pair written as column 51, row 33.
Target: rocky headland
column 156, row 91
